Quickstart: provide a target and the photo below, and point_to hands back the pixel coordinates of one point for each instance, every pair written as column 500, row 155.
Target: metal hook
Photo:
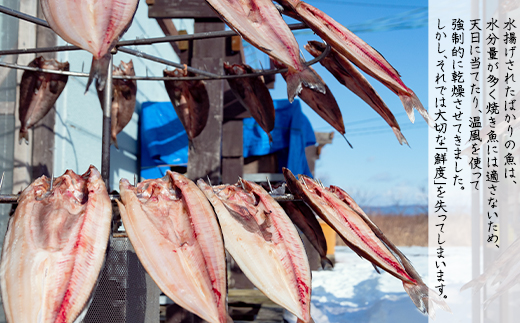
column 304, row 183
column 319, row 182
column 52, row 182
column 135, row 180
column 241, row 183
column 270, row 187
column 82, row 66
column 209, row 181
column 2, row 180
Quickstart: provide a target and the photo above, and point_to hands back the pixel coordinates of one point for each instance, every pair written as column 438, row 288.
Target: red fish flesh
column 349, row 76
column 176, row 236
column 264, row 243
column 54, row 248
column 93, row 25
column 340, row 211
column 260, row 23
column 357, row 51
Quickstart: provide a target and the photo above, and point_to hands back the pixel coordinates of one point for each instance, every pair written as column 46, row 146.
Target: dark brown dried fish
column 38, row 92
column 324, row 104
column 190, row 100
column 349, row 76
column 253, row 94
column 303, row 217
column 123, row 99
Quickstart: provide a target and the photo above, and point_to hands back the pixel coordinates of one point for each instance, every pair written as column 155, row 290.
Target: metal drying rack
column 120, row 46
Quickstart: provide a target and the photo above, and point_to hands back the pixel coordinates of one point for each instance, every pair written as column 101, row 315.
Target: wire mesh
column 125, row 292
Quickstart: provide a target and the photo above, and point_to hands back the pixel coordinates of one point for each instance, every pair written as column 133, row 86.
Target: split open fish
column 264, row 243
column 305, row 219
column 124, row 93
column 253, row 94
column 260, row 23
column 54, row 248
column 340, row 211
column 190, row 100
column 175, row 234
column 93, row 25
column 38, row 92
column 324, row 104
column 357, row 51
column 350, row 77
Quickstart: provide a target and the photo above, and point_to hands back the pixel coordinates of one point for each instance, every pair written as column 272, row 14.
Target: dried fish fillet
column 260, row 23
column 264, row 243
column 357, row 51
column 123, row 99
column 340, row 211
column 54, row 248
column 175, row 234
column 190, row 100
column 349, row 76
column 93, row 25
column 38, row 92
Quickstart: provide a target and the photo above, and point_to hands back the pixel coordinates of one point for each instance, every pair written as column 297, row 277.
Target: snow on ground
column 354, row 292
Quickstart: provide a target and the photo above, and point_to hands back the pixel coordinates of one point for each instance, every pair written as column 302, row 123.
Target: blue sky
column 378, row 171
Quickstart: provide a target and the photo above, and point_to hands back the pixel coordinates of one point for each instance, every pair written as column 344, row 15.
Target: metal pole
column 107, row 108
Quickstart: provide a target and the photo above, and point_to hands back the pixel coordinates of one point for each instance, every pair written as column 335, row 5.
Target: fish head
column 127, row 68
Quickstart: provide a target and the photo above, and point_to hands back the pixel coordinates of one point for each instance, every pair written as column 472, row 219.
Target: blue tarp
column 164, row 141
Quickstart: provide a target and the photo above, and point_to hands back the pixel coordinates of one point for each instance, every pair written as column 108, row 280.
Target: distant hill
column 410, row 210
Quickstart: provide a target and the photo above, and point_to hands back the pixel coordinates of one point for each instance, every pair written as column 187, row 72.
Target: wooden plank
column 198, row 9
column 204, row 154
column 169, row 29
column 232, row 169
column 232, row 135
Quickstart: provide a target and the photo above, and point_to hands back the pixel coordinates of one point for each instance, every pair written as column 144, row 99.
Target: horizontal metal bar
column 205, row 75
column 24, row 16
column 13, row 198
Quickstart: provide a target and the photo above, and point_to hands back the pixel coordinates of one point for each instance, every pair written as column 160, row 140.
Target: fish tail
column 113, row 140
column 411, row 101
column 302, row 321
column 421, row 296
column 99, row 71
column 297, row 79
column 24, row 135
column 400, row 136
column 326, row 263
column 476, row 284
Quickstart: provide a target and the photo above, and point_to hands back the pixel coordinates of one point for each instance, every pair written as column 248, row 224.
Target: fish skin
column 303, row 217
column 264, row 243
column 54, row 248
column 93, row 25
column 324, row 104
column 123, row 99
column 331, row 203
column 176, row 236
column 190, row 100
column 350, row 77
column 38, row 92
column 260, row 24
column 358, row 52
column 253, row 94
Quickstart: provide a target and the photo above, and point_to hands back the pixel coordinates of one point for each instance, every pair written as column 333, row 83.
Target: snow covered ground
column 354, row 292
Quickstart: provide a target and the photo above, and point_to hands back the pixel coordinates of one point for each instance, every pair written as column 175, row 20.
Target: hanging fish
column 264, row 243
column 176, row 236
column 303, row 217
column 190, row 100
column 253, row 94
column 123, row 99
column 350, row 77
column 260, row 23
column 336, row 208
column 38, row 92
column 324, row 104
column 93, row 25
column 357, row 51
column 54, row 248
